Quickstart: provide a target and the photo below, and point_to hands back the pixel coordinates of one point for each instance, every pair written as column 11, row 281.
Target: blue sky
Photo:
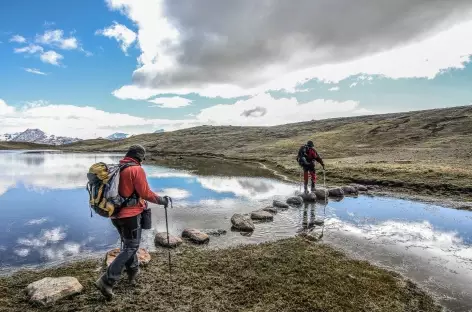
column 89, row 68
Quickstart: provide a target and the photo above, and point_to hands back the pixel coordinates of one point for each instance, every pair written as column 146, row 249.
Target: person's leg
column 313, row 180
column 132, row 265
column 130, row 232
column 305, row 179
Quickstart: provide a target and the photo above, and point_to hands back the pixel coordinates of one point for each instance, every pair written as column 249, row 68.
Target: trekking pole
column 168, row 241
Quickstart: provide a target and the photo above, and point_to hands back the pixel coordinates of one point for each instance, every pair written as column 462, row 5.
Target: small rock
column 349, row 190
column 161, row 240
column 143, row 256
column 262, row 215
column 196, row 236
column 295, row 201
column 309, row 197
column 48, row 290
column 272, row 210
column 336, row 192
column 360, row 187
column 279, row 204
column 215, row 232
column 242, row 223
column 321, row 193
column 318, row 222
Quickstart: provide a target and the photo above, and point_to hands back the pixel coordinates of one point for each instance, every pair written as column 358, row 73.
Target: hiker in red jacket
column 133, row 184
column 307, row 155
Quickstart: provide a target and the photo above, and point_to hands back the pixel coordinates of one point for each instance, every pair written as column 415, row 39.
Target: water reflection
column 45, row 217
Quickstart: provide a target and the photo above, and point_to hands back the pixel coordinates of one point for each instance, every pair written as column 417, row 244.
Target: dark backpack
column 302, row 155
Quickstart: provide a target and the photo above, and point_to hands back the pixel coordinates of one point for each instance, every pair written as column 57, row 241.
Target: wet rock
column 309, row 197
column 314, row 235
column 279, row 204
column 295, row 201
column 48, row 290
column 361, row 188
column 242, row 223
column 143, row 256
column 349, row 190
column 161, row 240
column 373, row 187
column 262, row 215
column 318, row 222
column 336, row 192
column 321, row 193
column 215, row 232
column 196, row 236
column 272, row 210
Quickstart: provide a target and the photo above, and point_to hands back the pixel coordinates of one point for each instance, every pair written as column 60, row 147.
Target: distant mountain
column 159, row 131
column 37, row 136
column 117, row 136
column 8, row 136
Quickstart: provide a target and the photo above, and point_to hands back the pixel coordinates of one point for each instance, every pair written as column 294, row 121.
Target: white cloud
column 51, row 57
column 121, row 33
column 171, row 102
column 190, row 49
column 18, row 39
column 30, row 49
column 54, row 235
column 22, row 252
column 37, row 221
column 34, row 71
column 56, row 38
column 333, row 89
column 176, row 193
column 352, row 85
column 5, row 109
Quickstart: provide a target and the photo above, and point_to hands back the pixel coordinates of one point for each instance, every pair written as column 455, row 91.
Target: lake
column 46, row 219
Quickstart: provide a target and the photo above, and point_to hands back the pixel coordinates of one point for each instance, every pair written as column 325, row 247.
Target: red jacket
column 313, row 155
column 132, row 179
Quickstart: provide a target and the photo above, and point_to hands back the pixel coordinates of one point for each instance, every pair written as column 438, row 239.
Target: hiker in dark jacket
column 307, row 155
column 128, row 221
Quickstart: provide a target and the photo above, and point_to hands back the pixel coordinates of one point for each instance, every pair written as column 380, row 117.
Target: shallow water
column 46, row 220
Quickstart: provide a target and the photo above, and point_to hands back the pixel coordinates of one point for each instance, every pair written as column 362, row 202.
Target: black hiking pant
column 130, row 233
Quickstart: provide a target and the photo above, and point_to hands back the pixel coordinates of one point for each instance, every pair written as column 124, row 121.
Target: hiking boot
column 313, row 187
column 305, row 187
column 105, row 289
column 132, row 276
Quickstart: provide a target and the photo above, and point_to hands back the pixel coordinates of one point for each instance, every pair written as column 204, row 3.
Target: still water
column 45, row 219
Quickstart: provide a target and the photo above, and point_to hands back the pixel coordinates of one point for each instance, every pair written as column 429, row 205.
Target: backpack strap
column 134, row 195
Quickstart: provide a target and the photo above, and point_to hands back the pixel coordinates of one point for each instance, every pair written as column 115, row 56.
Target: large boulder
column 143, row 256
column 361, row 188
column 321, row 193
column 272, row 210
column 196, row 236
column 48, row 290
column 280, row 204
column 214, row 232
column 242, row 223
column 161, row 240
column 336, row 192
column 295, row 201
column 349, row 190
column 262, row 215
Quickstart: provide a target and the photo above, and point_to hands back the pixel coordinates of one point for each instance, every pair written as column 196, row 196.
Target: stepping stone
column 361, row 188
column 349, row 190
column 295, row 201
column 272, row 210
column 310, row 197
column 279, row 204
column 318, row 222
column 161, row 240
column 242, row 223
column 196, row 236
column 336, row 192
column 262, row 215
column 49, row 290
column 143, row 256
column 321, row 193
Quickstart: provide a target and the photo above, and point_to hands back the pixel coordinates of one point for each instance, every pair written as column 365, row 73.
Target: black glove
column 323, row 167
column 164, row 200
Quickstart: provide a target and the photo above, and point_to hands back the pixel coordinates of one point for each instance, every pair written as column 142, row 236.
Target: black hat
column 310, row 144
column 137, row 152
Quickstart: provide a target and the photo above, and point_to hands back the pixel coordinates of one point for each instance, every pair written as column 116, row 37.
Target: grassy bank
column 287, row 275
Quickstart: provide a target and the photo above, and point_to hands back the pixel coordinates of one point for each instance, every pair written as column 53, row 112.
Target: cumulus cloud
column 90, row 122
column 120, row 33
column 18, row 39
column 333, row 89
column 56, row 38
column 171, row 102
column 51, row 57
column 30, row 49
column 34, row 71
column 176, row 193
column 232, row 48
